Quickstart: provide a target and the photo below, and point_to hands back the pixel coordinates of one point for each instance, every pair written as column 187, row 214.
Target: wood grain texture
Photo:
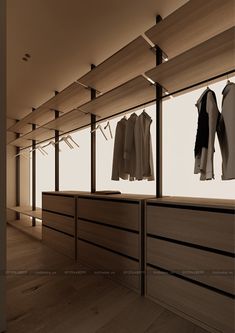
column 129, row 95
column 212, row 309
column 120, row 214
column 192, row 24
column 28, row 211
column 210, row 268
column 69, row 98
column 125, row 242
column 110, row 264
column 130, row 61
column 59, row 222
column 59, row 204
column 210, row 229
column 75, row 302
column 204, row 61
column 195, row 202
column 59, row 241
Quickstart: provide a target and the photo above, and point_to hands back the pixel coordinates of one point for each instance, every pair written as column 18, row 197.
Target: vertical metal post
column 93, row 144
column 57, row 155
column 17, row 178
column 158, row 125
column 33, row 175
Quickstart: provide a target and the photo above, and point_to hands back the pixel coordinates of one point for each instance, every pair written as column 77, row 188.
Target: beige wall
column 11, row 176
column 2, row 165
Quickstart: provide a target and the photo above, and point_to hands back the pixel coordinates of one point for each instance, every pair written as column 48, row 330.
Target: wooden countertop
column 122, row 196
column 196, row 202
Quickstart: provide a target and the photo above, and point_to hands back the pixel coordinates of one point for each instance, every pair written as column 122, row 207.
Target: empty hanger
column 66, row 141
column 110, row 130
column 101, row 129
column 70, row 138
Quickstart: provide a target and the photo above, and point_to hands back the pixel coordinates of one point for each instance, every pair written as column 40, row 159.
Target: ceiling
column 63, row 38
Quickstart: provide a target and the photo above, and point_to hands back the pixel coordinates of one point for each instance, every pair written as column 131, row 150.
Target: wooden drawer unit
column 213, row 269
column 118, row 267
column 122, row 214
column 59, row 222
column 59, row 204
column 117, row 240
column 59, row 241
column 212, row 310
column 207, row 228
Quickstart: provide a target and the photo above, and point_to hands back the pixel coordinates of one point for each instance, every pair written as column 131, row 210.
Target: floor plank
column 47, row 292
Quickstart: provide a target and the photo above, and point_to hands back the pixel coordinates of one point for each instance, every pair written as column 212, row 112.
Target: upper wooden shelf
column 206, row 60
column 69, row 98
column 192, row 24
column 130, row 94
column 70, row 121
column 134, row 92
column 129, row 62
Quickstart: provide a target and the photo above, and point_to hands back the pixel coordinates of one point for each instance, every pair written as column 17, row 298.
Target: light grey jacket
column 226, row 132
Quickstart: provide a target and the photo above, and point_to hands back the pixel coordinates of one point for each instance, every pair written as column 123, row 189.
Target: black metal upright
column 17, row 175
column 33, row 175
column 159, row 91
column 93, row 144
column 57, row 155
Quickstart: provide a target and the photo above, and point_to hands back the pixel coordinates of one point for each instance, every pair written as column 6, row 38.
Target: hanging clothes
column 208, row 115
column 226, row 132
column 118, row 170
column 132, row 156
column 130, row 147
column 143, row 144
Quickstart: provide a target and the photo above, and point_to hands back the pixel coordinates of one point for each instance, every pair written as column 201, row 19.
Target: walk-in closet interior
column 125, row 173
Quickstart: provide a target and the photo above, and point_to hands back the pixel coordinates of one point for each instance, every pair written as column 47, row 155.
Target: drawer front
column 210, row 229
column 120, row 268
column 210, row 268
column 59, row 241
column 59, row 222
column 122, row 214
column 206, row 306
column 118, row 240
column 59, row 204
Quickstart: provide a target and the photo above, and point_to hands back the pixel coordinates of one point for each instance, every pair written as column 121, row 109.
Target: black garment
column 202, row 136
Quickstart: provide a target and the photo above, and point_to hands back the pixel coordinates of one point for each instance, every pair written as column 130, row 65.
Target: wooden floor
column 45, row 295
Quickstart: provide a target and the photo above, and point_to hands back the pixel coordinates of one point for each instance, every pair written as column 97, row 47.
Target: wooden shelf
column 192, row 24
column 20, row 142
column 28, row 211
column 25, row 226
column 70, row 121
column 69, row 98
column 136, row 91
column 211, row 58
column 131, row 61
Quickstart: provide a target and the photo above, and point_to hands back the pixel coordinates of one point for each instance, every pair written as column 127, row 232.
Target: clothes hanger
column 110, row 130
column 101, row 129
column 67, row 142
column 70, row 138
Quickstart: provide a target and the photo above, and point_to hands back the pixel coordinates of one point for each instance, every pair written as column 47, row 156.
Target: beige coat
column 143, row 144
column 226, row 132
